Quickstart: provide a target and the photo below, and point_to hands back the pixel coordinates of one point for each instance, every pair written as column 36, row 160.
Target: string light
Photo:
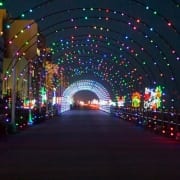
column 129, row 23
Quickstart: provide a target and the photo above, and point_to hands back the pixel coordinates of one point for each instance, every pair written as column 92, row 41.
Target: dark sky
column 125, row 44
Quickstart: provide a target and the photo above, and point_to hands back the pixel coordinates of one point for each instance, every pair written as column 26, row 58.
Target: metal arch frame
column 88, row 85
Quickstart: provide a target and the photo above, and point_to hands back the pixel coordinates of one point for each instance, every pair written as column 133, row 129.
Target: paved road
column 88, row 145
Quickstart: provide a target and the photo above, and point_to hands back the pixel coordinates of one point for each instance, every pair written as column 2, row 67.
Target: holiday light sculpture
column 51, row 71
column 152, row 98
column 136, row 99
column 43, row 95
column 88, row 85
column 158, row 96
column 121, row 101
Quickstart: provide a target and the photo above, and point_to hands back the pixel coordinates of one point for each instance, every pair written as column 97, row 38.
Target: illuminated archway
column 89, row 85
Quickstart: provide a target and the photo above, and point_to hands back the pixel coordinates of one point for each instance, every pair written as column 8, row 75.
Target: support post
column 30, row 93
column 13, row 97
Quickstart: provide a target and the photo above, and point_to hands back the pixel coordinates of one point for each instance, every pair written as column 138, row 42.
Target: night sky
column 126, row 45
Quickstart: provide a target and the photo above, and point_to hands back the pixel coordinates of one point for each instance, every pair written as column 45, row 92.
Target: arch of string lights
column 129, row 58
column 89, row 85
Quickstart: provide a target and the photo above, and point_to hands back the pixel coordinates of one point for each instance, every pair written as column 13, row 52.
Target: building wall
column 1, row 62
column 24, row 39
column 3, row 16
column 21, row 70
column 2, row 19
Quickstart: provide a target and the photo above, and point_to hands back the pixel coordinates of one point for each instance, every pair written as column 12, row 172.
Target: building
column 26, row 61
column 21, row 49
column 2, row 19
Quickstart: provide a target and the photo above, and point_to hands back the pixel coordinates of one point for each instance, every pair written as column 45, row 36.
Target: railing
column 164, row 123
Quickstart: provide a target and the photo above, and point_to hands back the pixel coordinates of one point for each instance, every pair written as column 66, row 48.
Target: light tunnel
column 88, row 85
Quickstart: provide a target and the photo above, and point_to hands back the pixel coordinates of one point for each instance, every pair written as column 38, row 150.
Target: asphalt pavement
column 88, row 145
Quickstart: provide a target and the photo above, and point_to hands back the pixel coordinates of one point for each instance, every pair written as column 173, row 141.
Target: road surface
column 88, row 145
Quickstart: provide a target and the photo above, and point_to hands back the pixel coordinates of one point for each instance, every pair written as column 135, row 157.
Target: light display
column 136, row 99
column 2, row 3
column 138, row 55
column 51, row 71
column 127, row 45
column 100, row 39
column 121, row 101
column 89, row 85
column 43, row 95
column 152, row 98
column 54, row 98
column 29, row 104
